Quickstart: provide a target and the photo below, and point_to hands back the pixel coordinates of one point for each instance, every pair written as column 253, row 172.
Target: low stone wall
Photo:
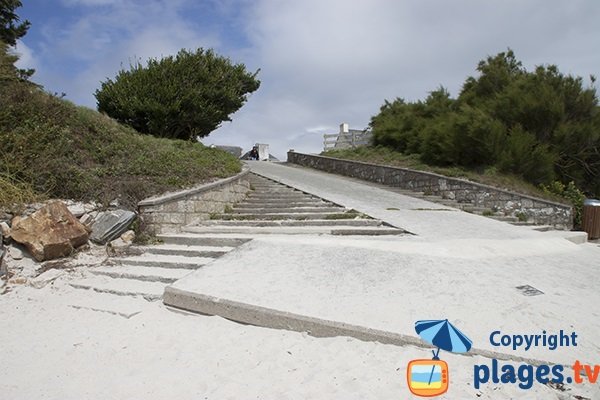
column 169, row 212
column 539, row 211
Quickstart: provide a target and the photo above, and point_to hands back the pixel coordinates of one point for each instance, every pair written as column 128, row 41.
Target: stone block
column 46, row 278
column 49, row 233
column 110, row 225
column 177, row 218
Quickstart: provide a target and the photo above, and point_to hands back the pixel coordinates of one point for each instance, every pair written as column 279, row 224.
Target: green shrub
column 541, row 125
column 59, row 150
column 570, row 192
column 182, row 97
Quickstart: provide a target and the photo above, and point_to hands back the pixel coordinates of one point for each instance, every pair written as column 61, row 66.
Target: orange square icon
column 427, row 378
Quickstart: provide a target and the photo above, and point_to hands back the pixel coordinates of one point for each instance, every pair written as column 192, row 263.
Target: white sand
column 52, row 351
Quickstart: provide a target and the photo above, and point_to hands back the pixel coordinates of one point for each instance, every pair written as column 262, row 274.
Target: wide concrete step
column 288, row 215
column 271, row 210
column 194, row 240
column 314, row 222
column 407, row 192
column 122, row 287
column 523, row 223
column 504, row 218
column 188, row 251
column 141, row 273
column 292, row 230
column 473, row 209
column 281, row 202
column 450, row 203
column 278, row 196
column 263, row 188
column 368, row 232
column 163, row 261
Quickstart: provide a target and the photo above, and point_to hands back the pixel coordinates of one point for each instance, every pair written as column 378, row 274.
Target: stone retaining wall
column 168, row 213
column 538, row 211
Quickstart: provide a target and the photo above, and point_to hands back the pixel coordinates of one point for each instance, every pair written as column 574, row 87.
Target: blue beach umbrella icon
column 443, row 335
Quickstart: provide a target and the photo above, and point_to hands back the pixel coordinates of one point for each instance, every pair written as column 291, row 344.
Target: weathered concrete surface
column 538, row 211
column 375, row 289
column 458, row 266
column 429, row 220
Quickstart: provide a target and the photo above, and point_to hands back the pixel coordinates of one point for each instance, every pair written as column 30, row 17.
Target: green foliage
column 182, row 97
column 64, row 151
column 14, row 193
column 570, row 192
column 10, row 28
column 541, row 125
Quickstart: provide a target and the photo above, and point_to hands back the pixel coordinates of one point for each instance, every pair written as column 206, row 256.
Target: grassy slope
column 52, row 148
column 385, row 156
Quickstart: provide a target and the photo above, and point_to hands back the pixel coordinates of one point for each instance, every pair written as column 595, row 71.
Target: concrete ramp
column 376, row 288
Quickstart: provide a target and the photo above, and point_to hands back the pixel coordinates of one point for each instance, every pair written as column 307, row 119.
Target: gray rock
column 110, row 225
column 4, row 230
column 87, row 220
column 15, row 253
column 46, row 278
column 117, row 248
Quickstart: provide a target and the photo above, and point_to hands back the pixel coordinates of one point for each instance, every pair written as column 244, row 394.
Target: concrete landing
column 375, row 289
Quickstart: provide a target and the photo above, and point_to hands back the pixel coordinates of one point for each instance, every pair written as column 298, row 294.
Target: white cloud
column 27, row 59
column 323, row 62
column 327, row 62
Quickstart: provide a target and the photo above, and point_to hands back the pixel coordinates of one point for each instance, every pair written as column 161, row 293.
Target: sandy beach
column 51, row 350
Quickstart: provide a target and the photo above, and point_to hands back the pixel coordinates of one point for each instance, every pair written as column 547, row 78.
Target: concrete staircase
column 272, row 207
column 146, row 273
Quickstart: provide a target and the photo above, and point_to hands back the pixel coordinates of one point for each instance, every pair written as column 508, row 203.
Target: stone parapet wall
column 168, row 213
column 538, row 211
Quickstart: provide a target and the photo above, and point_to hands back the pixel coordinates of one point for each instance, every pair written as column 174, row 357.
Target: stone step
column 282, row 202
column 450, row 203
column 369, row 232
column 503, row 218
column 473, row 209
column 286, row 204
column 122, row 287
column 273, row 190
column 433, row 198
column 275, row 186
column 140, row 273
column 407, row 192
column 313, row 222
column 279, row 196
column 188, row 251
column 286, row 230
column 271, row 210
column 163, row 261
column 194, row 240
column 287, row 216
column 523, row 223
column 126, row 307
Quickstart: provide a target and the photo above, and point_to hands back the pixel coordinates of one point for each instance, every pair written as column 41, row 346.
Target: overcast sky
column 322, row 62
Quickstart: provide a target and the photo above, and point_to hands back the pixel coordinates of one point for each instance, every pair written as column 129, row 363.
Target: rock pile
column 57, row 229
